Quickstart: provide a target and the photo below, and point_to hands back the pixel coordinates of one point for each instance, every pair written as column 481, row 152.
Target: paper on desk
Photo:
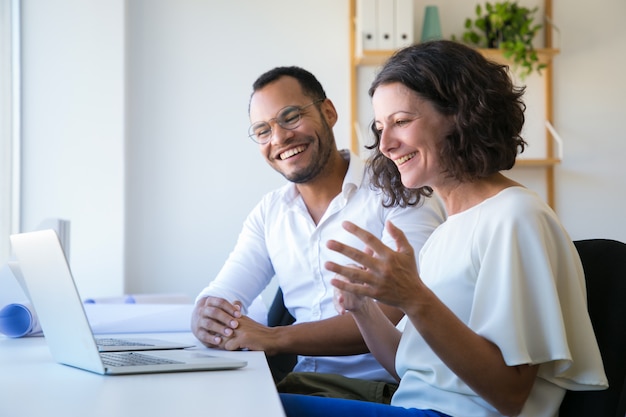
column 139, row 318
column 18, row 320
column 139, row 313
column 142, row 299
column 132, row 313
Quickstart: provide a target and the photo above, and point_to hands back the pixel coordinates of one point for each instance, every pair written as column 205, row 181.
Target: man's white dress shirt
column 279, row 238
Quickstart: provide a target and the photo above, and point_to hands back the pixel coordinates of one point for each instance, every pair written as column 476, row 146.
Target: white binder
column 386, row 24
column 366, row 24
column 404, row 28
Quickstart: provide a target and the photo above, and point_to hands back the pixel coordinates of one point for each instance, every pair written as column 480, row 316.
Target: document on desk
column 139, row 318
column 20, row 319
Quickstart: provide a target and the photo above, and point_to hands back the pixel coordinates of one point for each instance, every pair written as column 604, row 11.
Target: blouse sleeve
column 530, row 300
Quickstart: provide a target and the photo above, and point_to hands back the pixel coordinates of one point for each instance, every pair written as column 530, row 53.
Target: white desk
column 32, row 384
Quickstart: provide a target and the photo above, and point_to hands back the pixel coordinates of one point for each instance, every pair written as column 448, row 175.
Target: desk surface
column 32, row 384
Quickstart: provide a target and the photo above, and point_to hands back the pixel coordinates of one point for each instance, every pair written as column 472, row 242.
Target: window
column 9, row 122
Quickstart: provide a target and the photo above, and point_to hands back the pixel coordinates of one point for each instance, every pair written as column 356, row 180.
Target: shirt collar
column 354, row 176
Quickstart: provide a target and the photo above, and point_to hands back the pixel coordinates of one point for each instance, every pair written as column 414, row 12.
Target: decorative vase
column 431, row 29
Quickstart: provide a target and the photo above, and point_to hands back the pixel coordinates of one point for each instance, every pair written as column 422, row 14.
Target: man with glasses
column 285, row 235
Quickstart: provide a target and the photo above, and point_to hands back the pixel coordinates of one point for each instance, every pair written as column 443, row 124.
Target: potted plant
column 510, row 27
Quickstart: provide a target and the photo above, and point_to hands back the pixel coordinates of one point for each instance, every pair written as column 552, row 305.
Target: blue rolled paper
column 17, row 320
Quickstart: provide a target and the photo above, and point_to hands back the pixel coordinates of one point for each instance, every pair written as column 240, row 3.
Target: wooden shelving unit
column 546, row 55
column 379, row 57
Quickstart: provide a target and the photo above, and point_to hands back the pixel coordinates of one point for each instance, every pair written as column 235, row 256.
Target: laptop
column 53, row 293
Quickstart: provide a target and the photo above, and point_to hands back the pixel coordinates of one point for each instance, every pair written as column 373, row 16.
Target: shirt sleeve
column 248, row 268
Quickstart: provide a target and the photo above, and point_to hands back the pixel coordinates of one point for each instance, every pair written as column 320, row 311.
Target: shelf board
column 537, row 162
column 378, row 57
column 545, row 55
column 374, row 57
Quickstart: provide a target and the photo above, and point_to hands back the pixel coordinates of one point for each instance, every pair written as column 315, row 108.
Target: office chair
column 604, row 262
column 277, row 315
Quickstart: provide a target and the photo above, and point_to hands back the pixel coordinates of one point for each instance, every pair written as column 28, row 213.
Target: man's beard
column 320, row 160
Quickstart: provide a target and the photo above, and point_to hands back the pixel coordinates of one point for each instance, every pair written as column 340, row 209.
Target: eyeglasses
column 288, row 118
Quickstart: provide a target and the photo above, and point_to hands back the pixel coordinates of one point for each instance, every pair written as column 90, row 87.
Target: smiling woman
column 9, row 122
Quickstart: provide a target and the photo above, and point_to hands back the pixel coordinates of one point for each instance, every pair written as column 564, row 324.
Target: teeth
column 405, row 158
column 292, row 152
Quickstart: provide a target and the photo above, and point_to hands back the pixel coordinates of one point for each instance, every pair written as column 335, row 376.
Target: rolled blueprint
column 17, row 320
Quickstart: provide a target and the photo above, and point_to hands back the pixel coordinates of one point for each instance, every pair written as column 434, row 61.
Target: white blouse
column 509, row 270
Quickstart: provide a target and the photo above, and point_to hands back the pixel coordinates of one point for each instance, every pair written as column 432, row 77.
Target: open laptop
column 53, row 293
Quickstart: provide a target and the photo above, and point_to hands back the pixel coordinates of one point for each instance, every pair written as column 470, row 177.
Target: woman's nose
column 387, row 143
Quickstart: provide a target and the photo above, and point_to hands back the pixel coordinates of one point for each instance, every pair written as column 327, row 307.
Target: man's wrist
column 278, row 341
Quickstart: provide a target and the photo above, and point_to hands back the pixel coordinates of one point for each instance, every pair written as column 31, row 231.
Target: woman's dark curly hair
column 488, row 113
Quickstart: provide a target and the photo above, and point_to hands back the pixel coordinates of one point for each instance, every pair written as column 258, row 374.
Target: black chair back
column 604, row 262
column 278, row 315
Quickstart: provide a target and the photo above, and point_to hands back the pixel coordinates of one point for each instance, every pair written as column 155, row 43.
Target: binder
column 367, row 22
column 386, row 23
column 404, row 28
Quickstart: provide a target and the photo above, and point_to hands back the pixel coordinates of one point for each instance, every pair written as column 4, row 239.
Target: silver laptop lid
column 45, row 271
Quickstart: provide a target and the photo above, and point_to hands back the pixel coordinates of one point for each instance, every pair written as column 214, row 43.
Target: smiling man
column 285, row 235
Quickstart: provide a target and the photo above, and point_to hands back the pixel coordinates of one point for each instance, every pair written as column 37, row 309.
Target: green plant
column 509, row 27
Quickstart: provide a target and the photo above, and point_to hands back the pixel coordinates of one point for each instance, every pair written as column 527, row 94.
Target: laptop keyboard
column 118, row 342
column 133, row 359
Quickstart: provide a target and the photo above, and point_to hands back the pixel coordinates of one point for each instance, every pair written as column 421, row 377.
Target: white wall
column 154, row 167
column 73, row 131
column 590, row 111
column 192, row 172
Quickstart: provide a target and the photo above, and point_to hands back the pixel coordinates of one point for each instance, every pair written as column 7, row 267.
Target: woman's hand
column 385, row 275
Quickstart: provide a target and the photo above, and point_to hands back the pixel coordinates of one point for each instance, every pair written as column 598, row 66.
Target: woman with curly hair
column 496, row 321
